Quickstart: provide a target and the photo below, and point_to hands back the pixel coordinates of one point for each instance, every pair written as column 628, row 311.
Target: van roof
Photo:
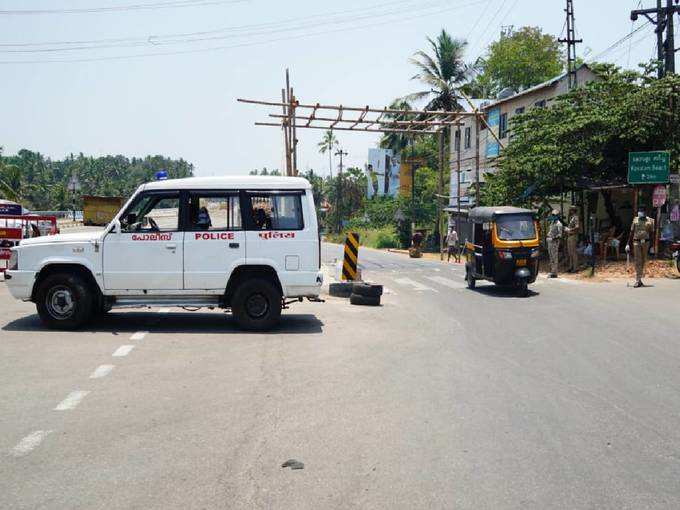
column 231, row 182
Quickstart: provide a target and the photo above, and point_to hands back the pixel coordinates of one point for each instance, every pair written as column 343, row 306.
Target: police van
column 247, row 244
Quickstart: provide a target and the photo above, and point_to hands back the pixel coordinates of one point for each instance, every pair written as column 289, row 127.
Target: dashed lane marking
column 164, row 310
column 29, row 443
column 74, row 398
column 101, row 371
column 388, row 291
column 447, row 282
column 416, row 285
column 139, row 335
column 123, row 350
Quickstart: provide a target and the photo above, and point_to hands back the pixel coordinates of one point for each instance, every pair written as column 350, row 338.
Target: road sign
column 74, row 183
column 674, row 178
column 648, row 167
column 659, row 196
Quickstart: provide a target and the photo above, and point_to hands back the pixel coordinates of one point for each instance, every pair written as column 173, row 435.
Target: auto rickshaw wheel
column 523, row 288
column 471, row 281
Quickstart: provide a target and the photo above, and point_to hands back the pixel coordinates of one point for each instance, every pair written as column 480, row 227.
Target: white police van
column 249, row 244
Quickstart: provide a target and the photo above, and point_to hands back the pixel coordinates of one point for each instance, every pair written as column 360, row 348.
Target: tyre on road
column 256, row 304
column 340, row 289
column 523, row 288
column 358, row 299
column 471, row 281
column 367, row 289
column 65, row 301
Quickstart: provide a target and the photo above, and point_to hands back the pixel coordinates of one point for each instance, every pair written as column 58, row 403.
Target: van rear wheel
column 256, row 304
column 64, row 301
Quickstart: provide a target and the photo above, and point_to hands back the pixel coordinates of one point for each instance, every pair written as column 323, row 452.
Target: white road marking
column 74, row 398
column 388, row 291
column 138, row 336
column 163, row 310
column 414, row 284
column 436, row 269
column 447, row 282
column 29, row 443
column 101, row 371
column 123, row 350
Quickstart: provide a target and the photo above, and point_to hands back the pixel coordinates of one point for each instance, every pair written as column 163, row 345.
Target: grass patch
column 379, row 238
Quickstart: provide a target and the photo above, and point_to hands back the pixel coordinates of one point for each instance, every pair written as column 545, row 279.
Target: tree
column 396, row 141
column 10, row 180
column 519, row 59
column 327, row 144
column 586, row 137
column 443, row 72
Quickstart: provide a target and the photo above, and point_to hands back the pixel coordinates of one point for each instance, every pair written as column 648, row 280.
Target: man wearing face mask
column 554, row 235
column 573, row 229
column 641, row 233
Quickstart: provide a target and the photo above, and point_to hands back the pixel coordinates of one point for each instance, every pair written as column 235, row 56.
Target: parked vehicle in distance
column 247, row 244
column 100, row 210
column 503, row 248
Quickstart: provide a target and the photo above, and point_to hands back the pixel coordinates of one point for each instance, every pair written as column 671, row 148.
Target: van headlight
column 13, row 263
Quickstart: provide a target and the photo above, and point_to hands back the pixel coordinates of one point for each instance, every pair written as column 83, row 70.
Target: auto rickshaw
column 503, row 247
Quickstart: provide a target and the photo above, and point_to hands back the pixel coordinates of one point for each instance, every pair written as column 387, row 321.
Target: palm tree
column 327, row 144
column 444, row 72
column 10, row 180
column 396, row 141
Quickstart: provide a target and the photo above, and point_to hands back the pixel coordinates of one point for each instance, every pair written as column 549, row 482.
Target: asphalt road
column 440, row 398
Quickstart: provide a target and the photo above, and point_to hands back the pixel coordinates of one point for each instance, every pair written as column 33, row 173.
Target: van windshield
column 515, row 227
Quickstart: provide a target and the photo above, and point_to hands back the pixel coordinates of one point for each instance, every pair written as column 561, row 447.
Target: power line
column 619, row 41
column 240, row 45
column 121, row 8
column 150, row 41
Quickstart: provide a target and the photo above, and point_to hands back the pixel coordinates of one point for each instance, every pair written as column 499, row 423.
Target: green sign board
column 648, row 167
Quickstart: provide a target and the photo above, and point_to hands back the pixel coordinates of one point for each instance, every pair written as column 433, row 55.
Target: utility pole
column 440, row 142
column 477, row 159
column 338, row 187
column 662, row 17
column 571, row 45
column 460, row 141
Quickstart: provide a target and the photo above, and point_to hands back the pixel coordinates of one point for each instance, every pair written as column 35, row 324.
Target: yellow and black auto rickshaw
column 503, row 247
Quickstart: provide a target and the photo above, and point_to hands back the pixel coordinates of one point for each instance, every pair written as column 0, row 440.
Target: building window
column 519, row 111
column 503, row 126
column 457, row 140
column 540, row 104
column 467, row 144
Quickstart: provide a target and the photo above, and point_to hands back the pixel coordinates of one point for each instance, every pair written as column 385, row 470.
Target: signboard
column 659, row 196
column 674, row 178
column 9, row 237
column 493, row 120
column 383, row 172
column 74, row 183
column 405, row 179
column 648, row 167
column 10, row 209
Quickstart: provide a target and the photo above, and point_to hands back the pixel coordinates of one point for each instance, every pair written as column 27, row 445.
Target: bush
column 386, row 239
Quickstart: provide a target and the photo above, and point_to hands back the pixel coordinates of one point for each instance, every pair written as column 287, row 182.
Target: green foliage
column 519, row 60
column 10, row 181
column 386, row 239
column 442, row 71
column 587, row 133
column 327, row 144
column 380, row 238
column 41, row 183
column 264, row 171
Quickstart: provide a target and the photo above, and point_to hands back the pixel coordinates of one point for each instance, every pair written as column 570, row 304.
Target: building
column 498, row 113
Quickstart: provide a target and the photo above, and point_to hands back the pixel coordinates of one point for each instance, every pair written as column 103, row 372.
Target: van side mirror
column 131, row 219
column 116, row 227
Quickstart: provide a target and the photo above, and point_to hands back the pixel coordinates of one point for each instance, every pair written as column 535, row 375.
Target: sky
column 164, row 75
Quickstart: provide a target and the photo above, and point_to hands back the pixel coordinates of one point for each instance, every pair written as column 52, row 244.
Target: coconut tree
column 10, row 180
column 327, row 144
column 396, row 141
column 444, row 72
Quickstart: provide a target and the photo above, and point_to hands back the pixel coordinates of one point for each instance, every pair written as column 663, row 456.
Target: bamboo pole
column 370, row 130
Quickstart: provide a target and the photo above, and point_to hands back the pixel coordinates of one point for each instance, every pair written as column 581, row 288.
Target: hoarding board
column 493, row 149
column 383, row 172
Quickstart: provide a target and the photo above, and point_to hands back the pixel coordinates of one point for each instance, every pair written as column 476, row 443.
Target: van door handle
column 171, row 246
column 234, row 245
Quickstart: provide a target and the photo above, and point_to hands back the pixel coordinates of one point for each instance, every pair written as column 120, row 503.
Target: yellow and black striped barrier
column 350, row 260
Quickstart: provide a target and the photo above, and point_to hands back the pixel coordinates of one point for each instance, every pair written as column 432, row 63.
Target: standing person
column 573, row 229
column 554, row 235
column 452, row 244
column 641, row 233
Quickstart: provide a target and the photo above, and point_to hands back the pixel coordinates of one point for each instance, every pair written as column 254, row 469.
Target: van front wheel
column 256, row 304
column 64, row 301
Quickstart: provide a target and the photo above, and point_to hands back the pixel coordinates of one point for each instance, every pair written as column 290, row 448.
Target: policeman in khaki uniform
column 554, row 235
column 641, row 233
column 573, row 228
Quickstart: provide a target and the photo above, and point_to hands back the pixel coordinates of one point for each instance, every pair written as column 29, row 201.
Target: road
column 440, row 398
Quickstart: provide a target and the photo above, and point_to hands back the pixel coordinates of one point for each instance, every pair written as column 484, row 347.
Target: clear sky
column 353, row 52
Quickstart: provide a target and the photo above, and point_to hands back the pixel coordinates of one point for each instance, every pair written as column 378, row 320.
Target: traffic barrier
column 351, row 257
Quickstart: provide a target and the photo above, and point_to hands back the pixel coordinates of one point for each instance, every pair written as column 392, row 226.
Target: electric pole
column 662, row 17
column 338, row 188
column 571, row 45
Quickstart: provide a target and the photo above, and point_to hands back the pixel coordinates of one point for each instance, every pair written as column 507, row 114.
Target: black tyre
column 367, row 289
column 471, row 281
column 65, row 301
column 340, row 289
column 358, row 299
column 256, row 304
column 522, row 288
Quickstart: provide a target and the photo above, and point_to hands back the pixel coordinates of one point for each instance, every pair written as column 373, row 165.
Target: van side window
column 214, row 211
column 280, row 211
column 152, row 212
